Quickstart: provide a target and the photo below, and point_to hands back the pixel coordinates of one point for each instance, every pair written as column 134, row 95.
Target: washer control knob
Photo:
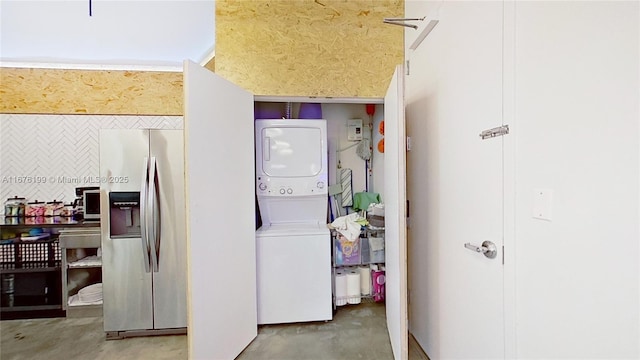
column 282, row 191
column 320, row 184
column 262, row 186
column 289, row 191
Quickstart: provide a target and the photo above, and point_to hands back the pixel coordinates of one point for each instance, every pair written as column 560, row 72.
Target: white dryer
column 293, row 246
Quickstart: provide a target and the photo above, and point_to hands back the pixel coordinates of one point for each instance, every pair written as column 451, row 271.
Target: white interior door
column 395, row 215
column 219, row 169
column 455, row 91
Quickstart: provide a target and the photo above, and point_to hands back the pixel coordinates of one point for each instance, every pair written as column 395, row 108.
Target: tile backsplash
column 40, row 154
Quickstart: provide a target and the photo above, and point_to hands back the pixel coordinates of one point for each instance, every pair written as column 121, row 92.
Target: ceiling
column 107, row 32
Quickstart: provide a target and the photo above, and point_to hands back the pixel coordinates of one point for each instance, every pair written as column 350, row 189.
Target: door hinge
column 497, row 131
column 408, row 143
column 502, row 254
column 408, row 67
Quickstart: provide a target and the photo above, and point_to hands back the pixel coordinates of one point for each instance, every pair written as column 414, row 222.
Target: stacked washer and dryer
column 293, row 245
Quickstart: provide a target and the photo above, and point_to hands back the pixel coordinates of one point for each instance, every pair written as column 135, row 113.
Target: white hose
column 364, row 150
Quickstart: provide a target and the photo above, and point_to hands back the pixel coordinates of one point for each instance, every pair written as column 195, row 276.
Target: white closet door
column 395, row 215
column 219, row 169
column 454, row 92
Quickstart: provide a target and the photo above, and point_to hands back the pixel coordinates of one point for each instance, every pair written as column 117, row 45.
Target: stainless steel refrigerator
column 144, row 262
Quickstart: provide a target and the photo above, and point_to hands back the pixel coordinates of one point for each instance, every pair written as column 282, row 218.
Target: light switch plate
column 543, row 204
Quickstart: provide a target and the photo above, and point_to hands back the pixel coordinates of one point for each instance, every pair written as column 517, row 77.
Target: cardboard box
column 376, row 220
column 376, row 249
column 347, row 252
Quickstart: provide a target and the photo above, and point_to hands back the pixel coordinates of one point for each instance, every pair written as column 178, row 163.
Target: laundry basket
column 30, row 255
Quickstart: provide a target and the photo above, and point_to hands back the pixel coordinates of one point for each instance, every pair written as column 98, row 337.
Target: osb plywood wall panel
column 55, row 91
column 309, row 48
column 211, row 65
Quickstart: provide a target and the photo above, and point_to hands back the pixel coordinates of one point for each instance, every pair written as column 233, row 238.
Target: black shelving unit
column 363, row 258
column 31, row 271
column 30, row 278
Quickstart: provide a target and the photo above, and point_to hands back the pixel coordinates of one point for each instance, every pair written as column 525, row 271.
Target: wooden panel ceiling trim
column 57, row 91
column 309, row 48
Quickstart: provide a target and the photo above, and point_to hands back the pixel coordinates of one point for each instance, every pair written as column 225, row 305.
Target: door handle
column 154, row 238
column 488, row 248
column 144, row 235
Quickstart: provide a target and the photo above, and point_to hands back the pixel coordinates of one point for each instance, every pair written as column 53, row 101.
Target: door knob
column 488, row 248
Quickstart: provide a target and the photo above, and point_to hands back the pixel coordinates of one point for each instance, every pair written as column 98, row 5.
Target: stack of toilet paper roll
column 365, row 279
column 341, row 287
column 351, row 284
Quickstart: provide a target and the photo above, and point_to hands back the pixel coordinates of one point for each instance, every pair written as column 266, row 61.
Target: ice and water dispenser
column 124, row 214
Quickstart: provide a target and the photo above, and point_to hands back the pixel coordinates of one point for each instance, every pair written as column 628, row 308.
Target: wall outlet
column 543, row 204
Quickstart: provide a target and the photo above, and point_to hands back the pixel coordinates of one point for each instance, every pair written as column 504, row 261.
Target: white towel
column 347, row 226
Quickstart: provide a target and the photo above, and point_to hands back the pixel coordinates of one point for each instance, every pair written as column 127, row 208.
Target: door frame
column 509, row 178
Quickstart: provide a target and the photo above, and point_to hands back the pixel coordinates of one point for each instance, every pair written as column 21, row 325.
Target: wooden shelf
column 86, row 242
column 31, row 308
column 45, row 222
column 78, row 311
column 30, row 270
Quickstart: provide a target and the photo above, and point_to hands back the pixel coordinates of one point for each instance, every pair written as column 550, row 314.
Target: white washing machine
column 293, row 246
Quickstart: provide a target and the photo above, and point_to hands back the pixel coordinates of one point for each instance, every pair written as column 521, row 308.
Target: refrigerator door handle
column 143, row 214
column 155, row 215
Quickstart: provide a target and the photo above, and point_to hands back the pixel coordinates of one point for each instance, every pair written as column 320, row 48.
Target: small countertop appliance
column 87, row 203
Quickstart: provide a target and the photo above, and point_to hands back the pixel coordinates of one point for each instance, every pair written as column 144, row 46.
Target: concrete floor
column 80, row 338
column 357, row 332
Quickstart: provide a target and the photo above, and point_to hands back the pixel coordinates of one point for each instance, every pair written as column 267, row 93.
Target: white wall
column 575, row 132
column 118, row 31
column 337, row 116
column 45, row 157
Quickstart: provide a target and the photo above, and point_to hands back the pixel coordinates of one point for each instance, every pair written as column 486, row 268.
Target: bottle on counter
column 53, row 208
column 68, row 210
column 35, row 209
column 14, row 207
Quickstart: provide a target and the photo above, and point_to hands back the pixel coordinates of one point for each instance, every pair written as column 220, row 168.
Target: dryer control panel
column 268, row 186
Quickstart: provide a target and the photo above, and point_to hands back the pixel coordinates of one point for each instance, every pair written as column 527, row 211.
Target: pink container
column 378, row 279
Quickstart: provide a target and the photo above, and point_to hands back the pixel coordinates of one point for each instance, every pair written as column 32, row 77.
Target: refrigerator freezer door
column 169, row 245
column 127, row 287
